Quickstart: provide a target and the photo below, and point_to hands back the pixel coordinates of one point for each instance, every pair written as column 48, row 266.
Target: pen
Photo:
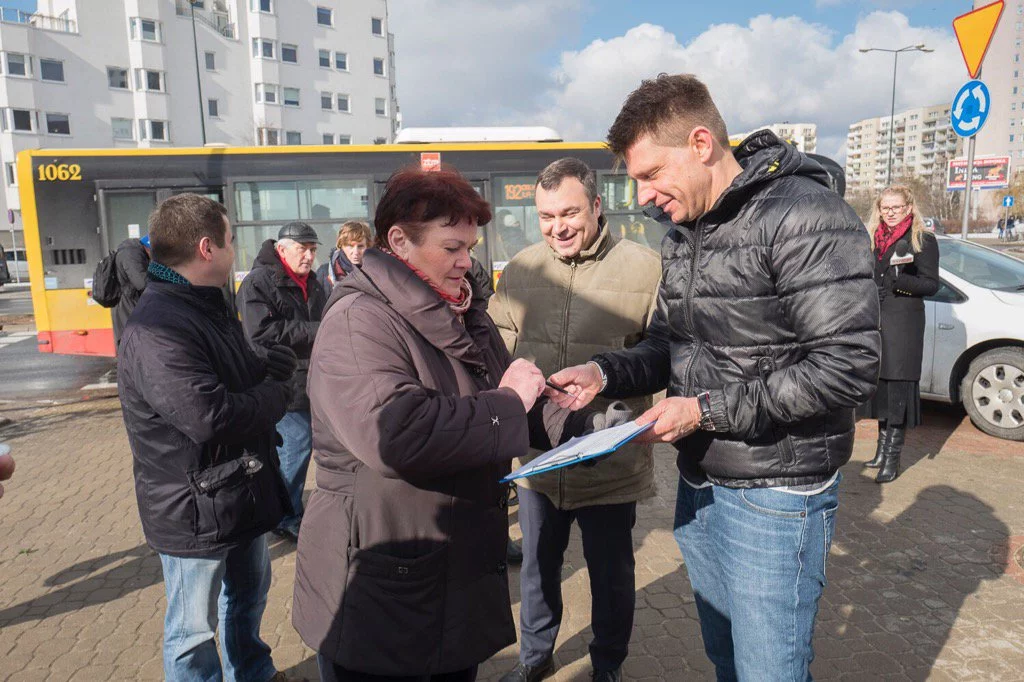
column 560, row 390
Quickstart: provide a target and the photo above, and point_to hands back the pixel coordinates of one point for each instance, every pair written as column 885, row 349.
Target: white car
column 974, row 337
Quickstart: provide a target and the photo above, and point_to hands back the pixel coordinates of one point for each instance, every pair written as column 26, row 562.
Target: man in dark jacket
column 766, row 337
column 281, row 303
column 131, row 260
column 198, row 408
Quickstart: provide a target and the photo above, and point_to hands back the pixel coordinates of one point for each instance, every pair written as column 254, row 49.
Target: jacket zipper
column 563, row 356
column 688, row 307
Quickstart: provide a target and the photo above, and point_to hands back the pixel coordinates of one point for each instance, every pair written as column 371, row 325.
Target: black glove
column 281, row 363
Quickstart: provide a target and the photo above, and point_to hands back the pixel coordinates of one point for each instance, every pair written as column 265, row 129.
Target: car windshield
column 981, row 267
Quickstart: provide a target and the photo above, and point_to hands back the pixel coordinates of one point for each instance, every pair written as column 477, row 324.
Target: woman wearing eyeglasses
column 906, row 270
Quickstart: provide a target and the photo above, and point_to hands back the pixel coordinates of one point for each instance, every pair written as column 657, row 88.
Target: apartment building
column 922, row 142
column 803, row 135
column 126, row 73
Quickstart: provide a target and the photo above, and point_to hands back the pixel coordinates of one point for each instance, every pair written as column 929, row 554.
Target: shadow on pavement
column 50, row 419
column 86, row 583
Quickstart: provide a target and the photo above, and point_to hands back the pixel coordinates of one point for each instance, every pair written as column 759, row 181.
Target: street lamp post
column 199, row 82
column 892, row 106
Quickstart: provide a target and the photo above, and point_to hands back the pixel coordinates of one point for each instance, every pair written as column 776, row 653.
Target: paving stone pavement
column 925, row 581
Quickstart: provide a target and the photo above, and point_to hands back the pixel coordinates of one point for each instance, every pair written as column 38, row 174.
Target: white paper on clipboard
column 580, row 449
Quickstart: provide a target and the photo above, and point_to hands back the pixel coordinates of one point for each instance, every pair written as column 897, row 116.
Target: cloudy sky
column 569, row 63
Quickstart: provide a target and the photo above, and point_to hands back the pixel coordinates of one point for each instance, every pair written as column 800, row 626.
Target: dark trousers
column 332, row 672
column 608, row 548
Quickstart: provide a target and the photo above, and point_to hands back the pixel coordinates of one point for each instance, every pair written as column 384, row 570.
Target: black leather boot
column 890, row 470
column 882, row 434
column 530, row 673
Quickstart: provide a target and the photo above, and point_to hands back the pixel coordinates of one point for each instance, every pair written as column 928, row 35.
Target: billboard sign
column 990, row 172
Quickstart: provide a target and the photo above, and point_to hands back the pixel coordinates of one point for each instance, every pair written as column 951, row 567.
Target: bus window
column 266, row 206
column 127, row 215
column 515, row 225
column 625, row 217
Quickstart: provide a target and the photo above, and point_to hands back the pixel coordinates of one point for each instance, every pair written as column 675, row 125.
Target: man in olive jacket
column 578, row 293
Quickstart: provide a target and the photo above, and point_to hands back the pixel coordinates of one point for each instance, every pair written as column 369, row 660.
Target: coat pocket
column 783, row 443
column 226, row 498
column 393, row 607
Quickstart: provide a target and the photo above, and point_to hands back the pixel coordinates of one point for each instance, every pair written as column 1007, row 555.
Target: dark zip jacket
column 767, row 302
column 274, row 312
column 200, row 420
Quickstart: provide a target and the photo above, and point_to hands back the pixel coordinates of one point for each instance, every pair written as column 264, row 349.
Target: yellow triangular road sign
column 974, row 32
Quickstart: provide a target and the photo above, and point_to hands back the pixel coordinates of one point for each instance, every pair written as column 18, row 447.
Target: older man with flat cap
column 281, row 304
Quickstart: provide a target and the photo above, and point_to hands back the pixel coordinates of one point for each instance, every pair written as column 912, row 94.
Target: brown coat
column 401, row 560
column 559, row 312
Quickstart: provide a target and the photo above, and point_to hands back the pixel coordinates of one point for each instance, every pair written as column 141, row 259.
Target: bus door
column 125, row 212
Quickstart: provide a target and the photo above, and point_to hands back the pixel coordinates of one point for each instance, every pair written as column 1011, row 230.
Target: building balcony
column 9, row 15
column 216, row 16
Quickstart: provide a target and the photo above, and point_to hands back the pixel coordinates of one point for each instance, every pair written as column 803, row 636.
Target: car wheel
column 993, row 393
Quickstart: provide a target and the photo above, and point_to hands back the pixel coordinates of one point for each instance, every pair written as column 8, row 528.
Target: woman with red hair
column 417, row 412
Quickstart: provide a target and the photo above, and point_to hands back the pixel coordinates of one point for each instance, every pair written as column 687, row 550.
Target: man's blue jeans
column 296, row 431
column 230, row 589
column 756, row 559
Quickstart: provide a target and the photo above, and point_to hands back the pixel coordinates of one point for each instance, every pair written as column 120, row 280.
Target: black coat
column 767, row 303
column 130, row 262
column 901, row 292
column 274, row 312
column 200, row 419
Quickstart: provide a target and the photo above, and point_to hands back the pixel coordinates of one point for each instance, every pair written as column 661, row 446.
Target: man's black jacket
column 767, row 302
column 200, row 417
column 274, row 312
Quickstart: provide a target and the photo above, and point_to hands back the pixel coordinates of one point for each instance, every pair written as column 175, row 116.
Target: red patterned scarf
column 459, row 304
column 886, row 236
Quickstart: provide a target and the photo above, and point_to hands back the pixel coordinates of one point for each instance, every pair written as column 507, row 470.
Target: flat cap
column 300, row 232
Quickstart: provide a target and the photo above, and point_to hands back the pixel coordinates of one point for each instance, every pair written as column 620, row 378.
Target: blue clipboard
column 580, row 449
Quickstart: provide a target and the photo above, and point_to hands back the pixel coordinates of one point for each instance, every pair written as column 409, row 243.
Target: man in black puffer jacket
column 281, row 302
column 199, row 409
column 766, row 337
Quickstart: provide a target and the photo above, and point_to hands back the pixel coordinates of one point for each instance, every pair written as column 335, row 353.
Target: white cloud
column 771, row 69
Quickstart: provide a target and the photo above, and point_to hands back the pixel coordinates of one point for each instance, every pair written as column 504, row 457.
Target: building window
column 266, row 6
column 269, row 136
column 149, row 81
column 1011, row 138
column 290, row 97
column 380, row 140
column 117, row 78
column 380, row 106
column 344, row 139
column 51, row 70
column 325, row 58
column 293, row 137
column 213, row 108
column 328, row 138
column 344, row 104
column 58, row 124
column 19, row 120
column 266, row 93
column 378, row 66
column 377, row 26
column 154, row 130
column 325, row 16
column 341, row 61
column 12, row 174
column 123, row 128
column 262, row 48
column 145, row 29
column 19, row 65
column 211, row 61
column 326, row 100
column 290, row 53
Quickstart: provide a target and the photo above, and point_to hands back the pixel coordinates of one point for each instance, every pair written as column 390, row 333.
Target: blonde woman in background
column 906, row 271
column 354, row 238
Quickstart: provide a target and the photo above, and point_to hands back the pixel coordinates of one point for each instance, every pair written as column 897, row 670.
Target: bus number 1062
column 60, row 172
